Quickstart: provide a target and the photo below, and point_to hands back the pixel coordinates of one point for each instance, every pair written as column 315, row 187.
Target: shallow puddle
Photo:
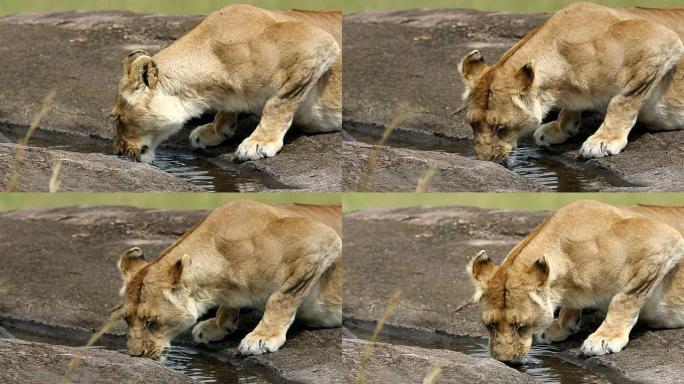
column 543, row 362
column 200, row 365
column 195, row 167
column 536, row 164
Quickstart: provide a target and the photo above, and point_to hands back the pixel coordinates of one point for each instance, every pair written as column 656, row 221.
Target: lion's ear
column 178, row 272
column 471, row 67
column 539, row 271
column 481, row 268
column 140, row 68
column 131, row 262
column 525, row 76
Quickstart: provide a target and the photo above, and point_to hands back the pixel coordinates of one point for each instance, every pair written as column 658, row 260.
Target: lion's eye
column 489, row 325
column 520, row 327
column 498, row 129
column 149, row 323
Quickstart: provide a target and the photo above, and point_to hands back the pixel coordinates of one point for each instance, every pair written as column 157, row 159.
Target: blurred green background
column 518, row 201
column 205, row 6
column 12, row 201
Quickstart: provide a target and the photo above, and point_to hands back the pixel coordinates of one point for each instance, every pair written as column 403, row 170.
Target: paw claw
column 251, row 149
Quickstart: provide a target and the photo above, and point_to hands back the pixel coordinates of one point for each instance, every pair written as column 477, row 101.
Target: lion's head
column 515, row 303
column 502, row 104
column 157, row 305
column 144, row 115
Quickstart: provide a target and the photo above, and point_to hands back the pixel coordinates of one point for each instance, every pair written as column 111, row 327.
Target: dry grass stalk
column 76, row 360
column 424, row 180
column 368, row 350
column 433, row 375
column 21, row 146
column 56, row 178
column 374, row 157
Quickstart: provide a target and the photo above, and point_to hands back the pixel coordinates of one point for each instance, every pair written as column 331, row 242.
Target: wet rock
column 400, row 170
column 424, row 48
column 438, row 240
column 27, row 362
column 5, row 334
column 403, row 364
column 85, row 172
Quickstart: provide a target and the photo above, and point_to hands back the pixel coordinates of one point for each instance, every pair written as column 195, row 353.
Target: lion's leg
column 657, row 50
column 218, row 327
column 282, row 305
column 312, row 61
column 566, row 325
column 208, row 135
column 646, row 275
column 556, row 132
column 322, row 307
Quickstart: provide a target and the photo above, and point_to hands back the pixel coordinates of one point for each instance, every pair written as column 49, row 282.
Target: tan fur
column 625, row 63
column 282, row 260
column 285, row 66
column 623, row 260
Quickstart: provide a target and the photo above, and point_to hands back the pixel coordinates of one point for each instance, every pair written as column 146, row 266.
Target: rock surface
column 86, row 89
column 400, row 169
column 407, row 61
column 85, row 172
column 27, row 362
column 306, row 163
column 403, row 364
column 76, row 249
column 438, row 240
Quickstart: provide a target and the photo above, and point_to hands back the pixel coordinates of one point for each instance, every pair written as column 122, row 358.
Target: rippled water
column 201, row 366
column 543, row 363
column 533, row 163
column 195, row 167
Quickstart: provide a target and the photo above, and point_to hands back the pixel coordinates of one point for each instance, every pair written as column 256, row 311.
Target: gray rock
column 309, row 356
column 403, row 364
column 85, row 172
column 86, row 89
column 306, row 163
column 410, row 58
column 400, row 169
column 41, row 248
column 27, row 362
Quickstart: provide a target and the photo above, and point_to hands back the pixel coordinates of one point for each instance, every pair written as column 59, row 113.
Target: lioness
column 282, row 260
column 624, row 63
column 624, row 260
column 285, row 66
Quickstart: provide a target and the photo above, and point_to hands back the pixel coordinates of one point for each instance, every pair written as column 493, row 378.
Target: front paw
column 555, row 333
column 256, row 344
column 598, row 145
column 597, row 344
column 253, row 149
column 550, row 133
column 205, row 136
column 207, row 331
